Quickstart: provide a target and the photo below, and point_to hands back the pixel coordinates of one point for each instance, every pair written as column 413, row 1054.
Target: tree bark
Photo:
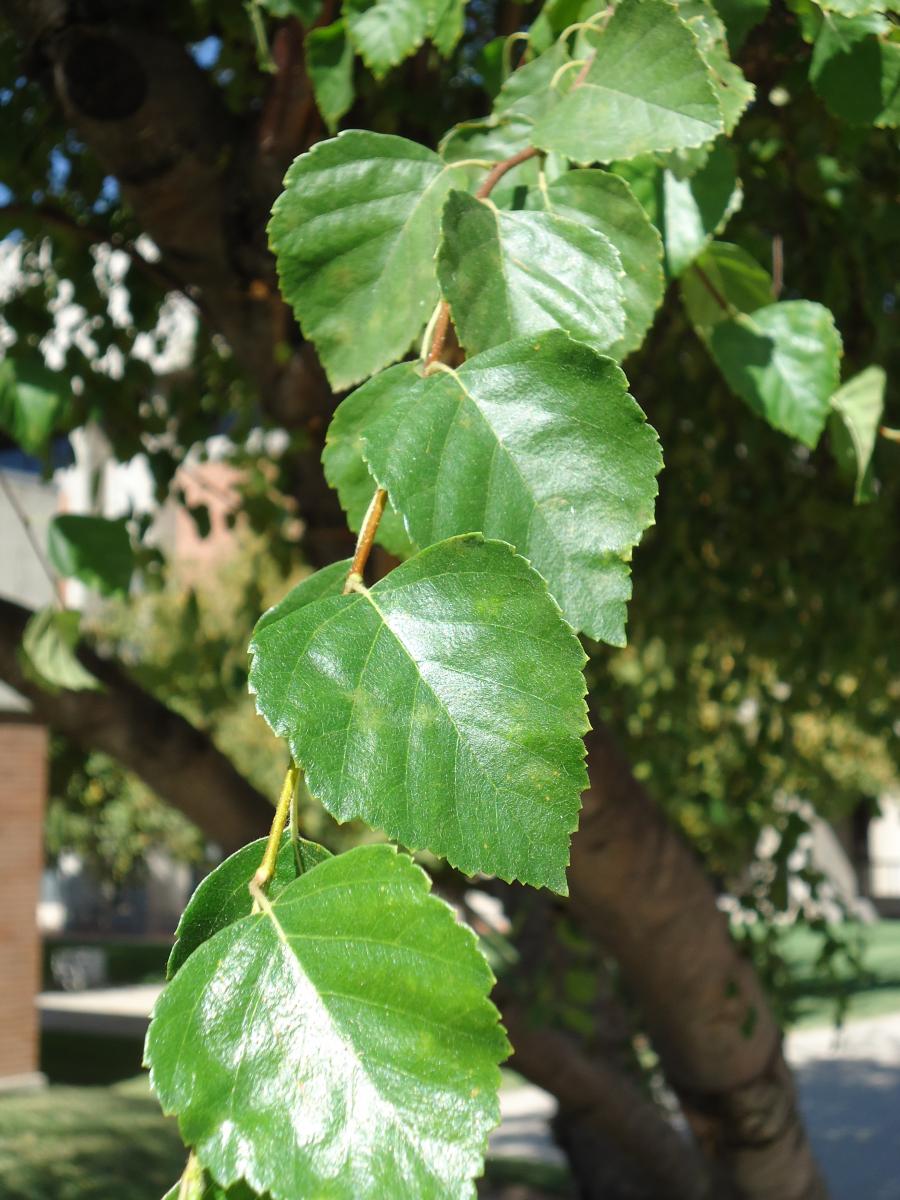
column 642, row 894
column 178, row 761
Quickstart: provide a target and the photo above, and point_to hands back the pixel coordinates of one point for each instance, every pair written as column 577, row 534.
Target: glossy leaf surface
column 567, row 461
column 354, row 234
column 511, row 273
column 224, row 897
column 606, row 203
column 415, row 706
column 784, row 361
column 340, row 1043
column 647, row 89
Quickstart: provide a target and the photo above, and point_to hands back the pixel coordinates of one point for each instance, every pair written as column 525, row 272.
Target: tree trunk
column 641, row 893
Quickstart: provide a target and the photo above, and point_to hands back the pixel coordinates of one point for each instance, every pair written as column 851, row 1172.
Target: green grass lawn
column 872, row 995
column 110, row 1142
column 98, row 1143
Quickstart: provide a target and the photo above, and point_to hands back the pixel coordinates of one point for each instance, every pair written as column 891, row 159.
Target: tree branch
column 169, row 754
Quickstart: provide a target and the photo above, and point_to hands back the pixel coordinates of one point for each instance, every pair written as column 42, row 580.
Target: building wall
column 23, row 786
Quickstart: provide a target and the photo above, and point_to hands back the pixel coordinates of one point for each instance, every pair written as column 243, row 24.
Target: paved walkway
column 850, row 1092
column 849, row 1087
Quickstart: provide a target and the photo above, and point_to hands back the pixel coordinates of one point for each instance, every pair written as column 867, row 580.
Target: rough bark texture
column 178, row 761
column 580, row 1048
column 640, row 891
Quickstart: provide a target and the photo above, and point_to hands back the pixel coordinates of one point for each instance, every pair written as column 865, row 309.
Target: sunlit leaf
column 224, row 896
column 853, row 426
column 329, row 61
column 415, row 706
column 606, row 203
column 340, row 1042
column 784, row 361
column 568, row 461
column 354, row 234
column 48, row 652
column 509, row 273
column 647, row 89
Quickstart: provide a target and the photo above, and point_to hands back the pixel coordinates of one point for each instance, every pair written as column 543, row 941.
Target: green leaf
column 526, row 93
column 647, row 89
column 699, row 206
column 446, row 20
column 340, row 1043
column 32, row 402
column 855, row 68
column 48, row 652
column 413, row 706
column 93, row 549
column 724, row 272
column 568, row 461
column 494, row 139
column 784, row 361
column 385, row 32
column 606, row 203
column 354, row 234
column 205, row 1189
column 224, row 897
column 732, row 89
column 554, row 17
column 739, row 17
column 856, row 8
column 509, row 273
column 857, row 409
column 318, row 586
column 346, row 471
column 329, row 61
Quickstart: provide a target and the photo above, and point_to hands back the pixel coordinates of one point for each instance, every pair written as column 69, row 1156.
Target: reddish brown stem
column 499, row 169
column 439, row 336
column 777, row 265
column 366, row 539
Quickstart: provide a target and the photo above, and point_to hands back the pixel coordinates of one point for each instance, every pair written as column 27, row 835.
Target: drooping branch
column 170, row 755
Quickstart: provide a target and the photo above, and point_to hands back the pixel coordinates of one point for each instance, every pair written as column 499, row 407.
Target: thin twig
column 892, row 435
column 366, row 539
column 267, row 867
column 777, row 265
column 439, row 335
column 497, row 172
column 712, row 289
column 28, row 529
